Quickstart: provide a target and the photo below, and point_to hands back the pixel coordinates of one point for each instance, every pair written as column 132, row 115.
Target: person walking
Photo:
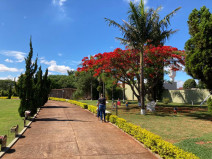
column 102, row 107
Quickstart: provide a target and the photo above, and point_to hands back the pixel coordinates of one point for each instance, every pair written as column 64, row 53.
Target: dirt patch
column 203, row 142
column 181, row 110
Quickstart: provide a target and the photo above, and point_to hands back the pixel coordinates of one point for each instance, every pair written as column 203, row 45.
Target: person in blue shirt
column 102, row 107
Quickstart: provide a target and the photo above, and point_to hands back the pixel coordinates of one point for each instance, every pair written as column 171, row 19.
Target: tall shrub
column 209, row 102
column 25, row 85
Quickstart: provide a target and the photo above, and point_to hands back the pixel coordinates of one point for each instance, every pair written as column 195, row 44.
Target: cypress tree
column 25, row 85
column 38, row 94
column 46, row 87
column 10, row 92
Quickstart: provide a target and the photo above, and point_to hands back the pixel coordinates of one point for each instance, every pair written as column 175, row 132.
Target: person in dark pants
column 102, row 106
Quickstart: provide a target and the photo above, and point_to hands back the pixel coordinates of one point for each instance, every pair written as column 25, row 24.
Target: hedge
column 150, row 140
column 154, row 142
column 7, row 97
column 57, row 99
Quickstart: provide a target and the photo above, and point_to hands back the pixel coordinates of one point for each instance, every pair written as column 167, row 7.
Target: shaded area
column 55, row 119
column 11, row 151
column 200, row 115
column 54, row 107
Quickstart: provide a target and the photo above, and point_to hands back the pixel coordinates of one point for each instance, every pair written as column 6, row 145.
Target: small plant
column 166, row 100
column 209, row 102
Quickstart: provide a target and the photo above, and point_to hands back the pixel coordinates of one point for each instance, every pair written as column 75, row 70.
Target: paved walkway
column 64, row 131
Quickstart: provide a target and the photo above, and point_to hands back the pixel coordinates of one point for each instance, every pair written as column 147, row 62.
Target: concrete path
column 63, row 131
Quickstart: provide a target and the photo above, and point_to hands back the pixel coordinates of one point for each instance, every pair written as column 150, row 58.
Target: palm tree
column 144, row 28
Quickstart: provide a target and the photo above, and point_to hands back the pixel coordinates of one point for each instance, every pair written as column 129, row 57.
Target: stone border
column 19, row 135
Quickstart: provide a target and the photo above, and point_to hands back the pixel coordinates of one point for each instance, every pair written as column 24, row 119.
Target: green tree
column 199, row 46
column 83, row 85
column 38, row 91
column 5, row 84
column 201, row 85
column 62, row 81
column 190, row 83
column 144, row 27
column 46, row 87
column 10, row 92
column 25, row 85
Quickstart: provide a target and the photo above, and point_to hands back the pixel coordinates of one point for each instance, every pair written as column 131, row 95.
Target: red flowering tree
column 123, row 65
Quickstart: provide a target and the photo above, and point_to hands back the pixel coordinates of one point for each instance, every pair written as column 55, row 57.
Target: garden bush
column 92, row 109
column 209, row 102
column 166, row 100
column 57, row 99
column 152, row 141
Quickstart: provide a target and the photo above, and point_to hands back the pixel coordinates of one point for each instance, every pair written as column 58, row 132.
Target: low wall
column 176, row 96
column 66, row 93
column 186, row 96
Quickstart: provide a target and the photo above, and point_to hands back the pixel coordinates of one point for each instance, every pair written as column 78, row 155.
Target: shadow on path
column 11, row 151
column 54, row 119
column 54, row 107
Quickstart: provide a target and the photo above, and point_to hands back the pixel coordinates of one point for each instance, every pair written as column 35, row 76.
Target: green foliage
column 201, row 146
column 5, row 84
column 113, row 119
column 199, row 46
column 32, row 88
column 209, row 102
column 92, row 109
column 166, row 100
column 9, row 117
column 57, row 99
column 10, row 92
column 190, row 83
column 145, row 27
column 201, row 85
column 152, row 141
column 86, row 81
column 5, row 87
column 62, row 81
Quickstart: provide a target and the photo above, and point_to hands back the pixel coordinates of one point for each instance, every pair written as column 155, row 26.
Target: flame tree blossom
column 123, row 65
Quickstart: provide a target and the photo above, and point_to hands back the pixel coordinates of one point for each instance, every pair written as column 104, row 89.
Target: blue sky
column 65, row 31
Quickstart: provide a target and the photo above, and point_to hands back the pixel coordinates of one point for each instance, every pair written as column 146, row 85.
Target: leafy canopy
column 199, row 46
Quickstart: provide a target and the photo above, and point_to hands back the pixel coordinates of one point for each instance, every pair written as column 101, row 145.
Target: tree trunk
column 91, row 89
column 123, row 85
column 141, row 93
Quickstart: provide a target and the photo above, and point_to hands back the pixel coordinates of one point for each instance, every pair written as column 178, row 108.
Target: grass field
column 9, row 117
column 190, row 129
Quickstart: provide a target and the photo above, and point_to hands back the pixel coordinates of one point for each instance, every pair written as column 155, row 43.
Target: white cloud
column 50, row 73
column 19, row 56
column 9, row 61
column 4, row 68
column 136, row 1
column 61, row 10
column 59, row 54
column 180, row 84
column 59, row 2
column 54, row 67
column 8, row 77
column 52, row 62
column 59, row 68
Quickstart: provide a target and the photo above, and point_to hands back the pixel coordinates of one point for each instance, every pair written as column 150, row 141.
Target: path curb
column 2, row 153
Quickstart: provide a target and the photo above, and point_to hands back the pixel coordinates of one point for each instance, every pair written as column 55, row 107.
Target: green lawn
column 190, row 129
column 9, row 117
